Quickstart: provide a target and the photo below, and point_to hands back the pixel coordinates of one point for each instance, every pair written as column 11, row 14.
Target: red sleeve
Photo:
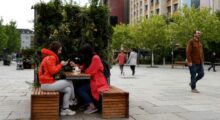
column 95, row 65
column 53, row 67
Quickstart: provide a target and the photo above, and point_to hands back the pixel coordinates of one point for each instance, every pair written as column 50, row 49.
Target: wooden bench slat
column 115, row 103
column 44, row 105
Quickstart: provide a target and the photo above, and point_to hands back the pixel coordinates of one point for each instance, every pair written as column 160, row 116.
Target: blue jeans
column 84, row 92
column 196, row 72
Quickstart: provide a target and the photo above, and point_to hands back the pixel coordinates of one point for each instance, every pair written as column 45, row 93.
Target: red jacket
column 121, row 58
column 98, row 82
column 49, row 66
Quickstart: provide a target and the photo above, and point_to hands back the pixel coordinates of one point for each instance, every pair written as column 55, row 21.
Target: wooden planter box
column 115, row 103
column 44, row 105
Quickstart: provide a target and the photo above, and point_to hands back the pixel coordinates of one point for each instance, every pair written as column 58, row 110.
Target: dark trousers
column 212, row 66
column 84, row 92
column 196, row 72
column 132, row 69
column 121, row 68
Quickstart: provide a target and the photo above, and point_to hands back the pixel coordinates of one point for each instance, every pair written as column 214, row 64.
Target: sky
column 21, row 12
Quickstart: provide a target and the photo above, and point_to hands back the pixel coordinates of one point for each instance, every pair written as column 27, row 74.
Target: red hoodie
column 49, row 66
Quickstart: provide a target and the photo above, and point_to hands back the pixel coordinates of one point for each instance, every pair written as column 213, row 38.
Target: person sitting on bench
column 49, row 67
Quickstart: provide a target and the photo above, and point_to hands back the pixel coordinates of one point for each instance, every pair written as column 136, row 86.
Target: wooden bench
column 115, row 103
column 179, row 63
column 44, row 105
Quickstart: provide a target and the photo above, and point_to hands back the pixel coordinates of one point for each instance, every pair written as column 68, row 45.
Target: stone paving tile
column 158, row 117
column 199, row 107
column 165, row 109
column 4, row 114
column 15, row 115
column 137, row 110
column 200, row 115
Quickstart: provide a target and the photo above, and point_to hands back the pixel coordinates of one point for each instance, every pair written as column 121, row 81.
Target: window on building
column 151, row 12
column 168, row 10
column 113, row 20
column 175, row 7
column 157, row 11
column 141, row 3
column 152, row 2
column 146, row 16
column 140, row 11
column 157, row 1
column 146, row 7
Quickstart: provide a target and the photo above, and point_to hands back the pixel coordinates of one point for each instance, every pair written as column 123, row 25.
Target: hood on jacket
column 46, row 52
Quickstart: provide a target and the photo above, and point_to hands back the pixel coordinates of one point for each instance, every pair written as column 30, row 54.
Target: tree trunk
column 152, row 58
column 164, row 61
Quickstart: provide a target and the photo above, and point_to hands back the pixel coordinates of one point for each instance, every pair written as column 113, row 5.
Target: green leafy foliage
column 73, row 26
column 9, row 37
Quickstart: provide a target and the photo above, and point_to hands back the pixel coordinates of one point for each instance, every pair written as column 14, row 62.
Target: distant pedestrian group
column 131, row 61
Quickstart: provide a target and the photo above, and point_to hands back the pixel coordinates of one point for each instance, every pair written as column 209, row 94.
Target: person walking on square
column 195, row 60
column 49, row 67
column 132, row 60
column 213, row 59
column 121, row 58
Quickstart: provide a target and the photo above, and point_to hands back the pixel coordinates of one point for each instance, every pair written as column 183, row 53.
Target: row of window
column 157, row 11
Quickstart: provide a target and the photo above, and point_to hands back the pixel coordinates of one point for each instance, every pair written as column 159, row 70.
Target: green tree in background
column 9, row 37
column 13, row 39
column 3, row 36
column 191, row 19
column 152, row 34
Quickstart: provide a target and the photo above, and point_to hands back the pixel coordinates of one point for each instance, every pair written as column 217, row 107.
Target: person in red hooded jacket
column 90, row 92
column 49, row 67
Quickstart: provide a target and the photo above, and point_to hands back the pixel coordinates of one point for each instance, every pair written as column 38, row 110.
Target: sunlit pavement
column 158, row 93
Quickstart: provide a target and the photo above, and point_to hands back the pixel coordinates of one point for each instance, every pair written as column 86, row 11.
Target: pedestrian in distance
column 195, row 60
column 213, row 60
column 132, row 60
column 49, row 67
column 121, row 59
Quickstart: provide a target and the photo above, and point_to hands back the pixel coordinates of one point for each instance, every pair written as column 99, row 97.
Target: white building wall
column 26, row 40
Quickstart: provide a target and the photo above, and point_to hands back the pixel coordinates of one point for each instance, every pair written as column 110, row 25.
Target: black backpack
column 106, row 71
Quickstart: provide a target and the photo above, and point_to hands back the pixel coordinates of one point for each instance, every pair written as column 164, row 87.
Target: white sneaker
column 73, row 102
column 67, row 112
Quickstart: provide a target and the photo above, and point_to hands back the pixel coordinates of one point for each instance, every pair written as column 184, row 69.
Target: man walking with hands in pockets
column 195, row 60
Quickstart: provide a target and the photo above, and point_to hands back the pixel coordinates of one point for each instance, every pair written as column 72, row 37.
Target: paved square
column 155, row 94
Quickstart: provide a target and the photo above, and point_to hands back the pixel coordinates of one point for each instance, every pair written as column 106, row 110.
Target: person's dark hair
column 55, row 46
column 87, row 52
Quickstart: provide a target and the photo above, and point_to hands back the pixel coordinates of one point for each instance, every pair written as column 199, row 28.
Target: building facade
column 214, row 5
column 27, row 38
column 147, row 8
column 118, row 10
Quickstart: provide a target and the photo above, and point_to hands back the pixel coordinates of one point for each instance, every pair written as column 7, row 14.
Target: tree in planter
column 73, row 26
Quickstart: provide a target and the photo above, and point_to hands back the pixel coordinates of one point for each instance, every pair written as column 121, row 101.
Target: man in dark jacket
column 195, row 60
